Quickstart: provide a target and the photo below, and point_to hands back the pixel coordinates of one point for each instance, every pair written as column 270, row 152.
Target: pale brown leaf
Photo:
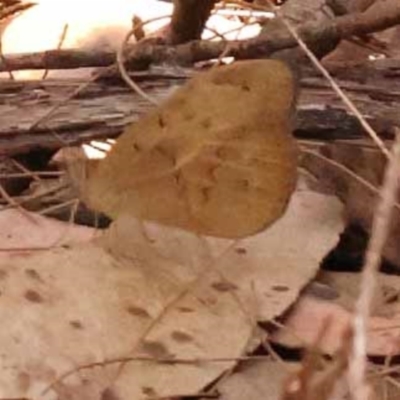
column 155, row 292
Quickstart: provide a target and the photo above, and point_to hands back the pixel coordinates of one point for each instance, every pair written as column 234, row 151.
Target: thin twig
column 56, row 207
column 121, row 60
column 86, row 84
column 26, row 199
column 346, row 100
column 25, row 170
column 393, row 381
column 12, row 203
column 228, row 45
column 5, row 62
column 154, row 360
column 380, row 229
column 373, row 189
column 123, row 360
column 31, row 174
column 223, row 34
column 195, row 396
column 59, row 45
column 64, row 101
column 6, row 16
column 27, row 249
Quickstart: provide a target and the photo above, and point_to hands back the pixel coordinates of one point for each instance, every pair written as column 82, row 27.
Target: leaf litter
column 151, row 310
column 91, row 304
column 37, row 232
column 311, row 312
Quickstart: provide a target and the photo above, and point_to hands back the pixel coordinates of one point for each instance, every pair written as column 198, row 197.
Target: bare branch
column 188, row 20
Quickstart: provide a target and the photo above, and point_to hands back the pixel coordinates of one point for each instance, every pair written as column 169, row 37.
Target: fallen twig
column 380, row 228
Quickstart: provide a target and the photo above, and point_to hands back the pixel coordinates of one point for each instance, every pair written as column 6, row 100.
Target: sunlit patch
column 93, row 153
column 376, row 56
column 103, row 25
column 97, row 150
column 89, row 23
column 228, row 60
column 103, row 146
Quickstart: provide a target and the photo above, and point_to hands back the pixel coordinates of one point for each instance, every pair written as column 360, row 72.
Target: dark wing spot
column 206, row 123
column 136, row 146
column 161, row 122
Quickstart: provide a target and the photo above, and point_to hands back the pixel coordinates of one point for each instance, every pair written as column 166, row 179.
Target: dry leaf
column 311, row 313
column 29, row 230
column 217, row 158
column 154, row 294
column 318, row 379
column 260, row 380
column 308, row 318
column 368, row 163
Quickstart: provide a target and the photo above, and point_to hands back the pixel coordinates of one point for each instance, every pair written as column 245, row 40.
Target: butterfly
column 216, row 158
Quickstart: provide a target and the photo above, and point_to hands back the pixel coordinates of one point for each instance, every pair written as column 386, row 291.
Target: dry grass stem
column 228, row 45
column 59, row 45
column 14, row 204
column 46, row 116
column 222, row 35
column 121, row 60
column 17, row 203
column 380, row 228
column 31, row 174
column 25, row 170
column 348, row 172
column 346, row 100
column 154, row 360
column 50, row 209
